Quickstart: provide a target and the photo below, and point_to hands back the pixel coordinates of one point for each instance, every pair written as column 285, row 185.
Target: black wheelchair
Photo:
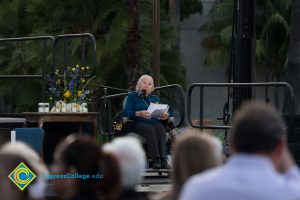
column 122, row 126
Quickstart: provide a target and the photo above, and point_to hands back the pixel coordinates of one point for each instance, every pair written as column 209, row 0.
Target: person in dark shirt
column 150, row 128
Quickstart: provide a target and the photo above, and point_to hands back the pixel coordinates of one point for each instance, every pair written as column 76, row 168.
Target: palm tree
column 271, row 26
column 122, row 30
column 219, row 28
column 133, row 42
column 274, row 33
column 178, row 10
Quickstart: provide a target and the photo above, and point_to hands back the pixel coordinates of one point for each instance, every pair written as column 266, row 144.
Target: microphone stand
column 113, row 88
column 104, row 112
column 105, row 90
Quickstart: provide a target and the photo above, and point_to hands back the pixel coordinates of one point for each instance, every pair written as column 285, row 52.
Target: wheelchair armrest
column 125, row 119
column 171, row 119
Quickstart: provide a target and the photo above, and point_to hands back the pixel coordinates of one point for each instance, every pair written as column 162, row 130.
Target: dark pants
column 155, row 136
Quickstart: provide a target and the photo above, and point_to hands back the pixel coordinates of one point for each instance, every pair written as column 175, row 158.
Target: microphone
column 142, row 93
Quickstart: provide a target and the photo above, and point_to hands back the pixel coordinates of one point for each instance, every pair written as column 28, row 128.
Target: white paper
column 155, row 110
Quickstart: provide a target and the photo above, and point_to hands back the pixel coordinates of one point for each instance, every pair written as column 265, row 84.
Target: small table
column 41, row 117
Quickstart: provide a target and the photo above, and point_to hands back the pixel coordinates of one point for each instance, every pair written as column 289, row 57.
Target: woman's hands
column 146, row 115
column 164, row 116
column 143, row 114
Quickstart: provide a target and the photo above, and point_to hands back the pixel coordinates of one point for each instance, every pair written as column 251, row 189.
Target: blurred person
column 9, row 191
column 36, row 188
column 150, row 128
column 261, row 166
column 84, row 156
column 131, row 158
column 194, row 152
column 22, row 149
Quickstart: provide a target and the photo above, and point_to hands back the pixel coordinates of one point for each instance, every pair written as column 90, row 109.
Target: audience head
column 27, row 154
column 145, row 83
column 131, row 159
column 258, row 129
column 9, row 191
column 83, row 156
column 194, row 153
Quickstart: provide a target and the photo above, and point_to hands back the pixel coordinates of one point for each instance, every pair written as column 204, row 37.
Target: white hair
column 140, row 80
column 26, row 152
column 218, row 148
column 131, row 159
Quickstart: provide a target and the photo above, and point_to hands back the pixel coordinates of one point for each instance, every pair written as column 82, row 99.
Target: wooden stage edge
column 42, row 117
column 23, row 119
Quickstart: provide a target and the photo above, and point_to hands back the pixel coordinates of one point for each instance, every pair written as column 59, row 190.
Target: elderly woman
column 150, row 128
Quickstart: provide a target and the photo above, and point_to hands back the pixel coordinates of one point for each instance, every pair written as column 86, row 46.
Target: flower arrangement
column 69, row 85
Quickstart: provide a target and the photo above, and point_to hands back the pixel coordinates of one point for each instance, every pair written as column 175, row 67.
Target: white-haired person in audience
column 261, row 166
column 132, row 162
column 194, row 152
column 24, row 153
column 9, row 191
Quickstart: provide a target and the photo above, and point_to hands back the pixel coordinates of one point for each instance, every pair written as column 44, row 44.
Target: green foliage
column 272, row 21
column 187, row 7
column 219, row 29
column 108, row 21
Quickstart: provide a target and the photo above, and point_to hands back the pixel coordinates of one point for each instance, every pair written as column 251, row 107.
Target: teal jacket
column 135, row 103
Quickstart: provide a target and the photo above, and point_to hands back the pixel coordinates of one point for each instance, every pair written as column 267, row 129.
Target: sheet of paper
column 155, row 110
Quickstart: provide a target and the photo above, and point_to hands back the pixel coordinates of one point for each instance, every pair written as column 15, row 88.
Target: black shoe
column 164, row 164
column 156, row 164
column 150, row 163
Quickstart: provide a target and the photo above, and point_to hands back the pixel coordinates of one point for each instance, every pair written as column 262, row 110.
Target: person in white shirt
column 261, row 167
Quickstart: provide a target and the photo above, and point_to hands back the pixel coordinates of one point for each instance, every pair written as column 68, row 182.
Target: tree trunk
column 133, row 68
column 174, row 14
column 293, row 75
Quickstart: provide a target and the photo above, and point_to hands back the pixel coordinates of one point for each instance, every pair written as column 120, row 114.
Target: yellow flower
column 87, row 67
column 82, row 68
column 56, row 71
column 67, row 94
column 73, row 69
column 79, row 93
column 77, row 66
column 82, row 80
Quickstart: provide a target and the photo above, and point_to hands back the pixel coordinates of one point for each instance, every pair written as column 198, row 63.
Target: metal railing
column 82, row 36
column 202, row 86
column 54, row 49
column 44, row 55
column 45, row 40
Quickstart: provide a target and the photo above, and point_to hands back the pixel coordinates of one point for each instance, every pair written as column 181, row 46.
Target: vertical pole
column 156, row 42
column 44, row 65
column 82, row 51
column 66, row 56
column 244, row 48
column 201, row 106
